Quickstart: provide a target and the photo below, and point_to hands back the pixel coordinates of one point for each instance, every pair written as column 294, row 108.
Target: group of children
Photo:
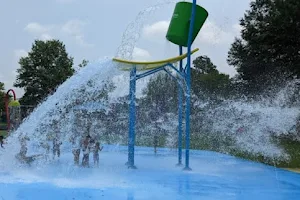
column 87, row 145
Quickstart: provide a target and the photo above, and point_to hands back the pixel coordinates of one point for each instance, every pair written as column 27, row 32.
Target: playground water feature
column 214, row 176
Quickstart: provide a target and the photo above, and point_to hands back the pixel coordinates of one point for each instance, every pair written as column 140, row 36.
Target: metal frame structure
column 184, row 73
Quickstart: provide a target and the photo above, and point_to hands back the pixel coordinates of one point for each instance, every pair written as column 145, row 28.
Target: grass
column 3, row 133
column 293, row 149
column 296, row 170
column 3, row 123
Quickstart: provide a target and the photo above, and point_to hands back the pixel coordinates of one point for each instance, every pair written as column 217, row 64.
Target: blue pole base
column 132, row 167
column 179, row 165
column 187, row 169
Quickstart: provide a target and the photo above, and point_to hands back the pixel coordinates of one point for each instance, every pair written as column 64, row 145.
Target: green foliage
column 267, row 54
column 2, row 97
column 83, row 63
column 293, row 150
column 1, row 86
column 3, row 133
column 207, row 81
column 203, row 65
column 43, row 70
column 161, row 94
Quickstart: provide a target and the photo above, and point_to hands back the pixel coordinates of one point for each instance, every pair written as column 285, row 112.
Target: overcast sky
column 92, row 29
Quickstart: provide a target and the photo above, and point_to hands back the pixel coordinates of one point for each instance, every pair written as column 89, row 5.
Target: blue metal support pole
column 139, row 76
column 175, row 78
column 180, row 114
column 188, row 92
column 131, row 135
column 182, row 75
column 180, row 63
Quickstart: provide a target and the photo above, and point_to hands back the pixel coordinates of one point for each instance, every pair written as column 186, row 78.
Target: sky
column 93, row 29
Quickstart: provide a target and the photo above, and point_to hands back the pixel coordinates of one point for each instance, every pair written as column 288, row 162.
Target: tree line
column 266, row 56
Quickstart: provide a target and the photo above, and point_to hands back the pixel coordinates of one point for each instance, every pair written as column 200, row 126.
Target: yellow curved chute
column 144, row 65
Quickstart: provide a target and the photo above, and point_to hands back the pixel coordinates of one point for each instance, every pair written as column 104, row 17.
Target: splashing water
column 55, row 114
column 252, row 124
column 56, row 110
column 134, row 30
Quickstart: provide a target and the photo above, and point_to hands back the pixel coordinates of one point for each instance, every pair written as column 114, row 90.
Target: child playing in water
column 21, row 156
column 46, row 146
column 96, row 153
column 76, row 149
column 86, row 152
column 56, row 147
column 23, row 150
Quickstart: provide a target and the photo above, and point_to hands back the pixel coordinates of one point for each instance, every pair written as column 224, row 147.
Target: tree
column 207, row 80
column 2, row 97
column 161, row 94
column 204, row 65
column 43, row 70
column 83, row 63
column 267, row 54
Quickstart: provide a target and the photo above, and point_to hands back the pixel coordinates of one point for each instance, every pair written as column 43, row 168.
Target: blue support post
column 182, row 75
column 188, row 92
column 139, row 76
column 180, row 62
column 180, row 114
column 131, row 135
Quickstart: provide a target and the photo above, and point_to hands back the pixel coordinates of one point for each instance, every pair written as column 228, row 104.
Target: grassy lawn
column 296, row 170
column 3, row 133
column 293, row 149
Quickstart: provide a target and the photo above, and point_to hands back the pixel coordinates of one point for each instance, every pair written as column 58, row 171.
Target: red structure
column 6, row 106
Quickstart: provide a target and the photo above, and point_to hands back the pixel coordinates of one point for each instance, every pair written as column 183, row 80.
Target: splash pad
column 214, row 175
column 187, row 20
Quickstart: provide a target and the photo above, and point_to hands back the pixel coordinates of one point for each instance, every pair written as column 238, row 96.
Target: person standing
column 47, row 148
column 96, row 153
column 86, row 151
column 56, row 147
column 76, row 149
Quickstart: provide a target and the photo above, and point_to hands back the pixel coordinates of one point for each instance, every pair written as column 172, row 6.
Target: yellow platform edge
column 147, row 65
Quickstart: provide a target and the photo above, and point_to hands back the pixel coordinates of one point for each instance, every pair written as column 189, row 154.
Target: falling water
column 250, row 124
column 133, row 31
column 56, row 110
column 56, row 113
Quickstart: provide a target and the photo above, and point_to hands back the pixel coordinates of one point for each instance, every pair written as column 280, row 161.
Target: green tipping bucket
column 179, row 26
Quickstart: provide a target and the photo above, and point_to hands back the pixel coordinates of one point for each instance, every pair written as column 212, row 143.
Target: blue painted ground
column 214, row 176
